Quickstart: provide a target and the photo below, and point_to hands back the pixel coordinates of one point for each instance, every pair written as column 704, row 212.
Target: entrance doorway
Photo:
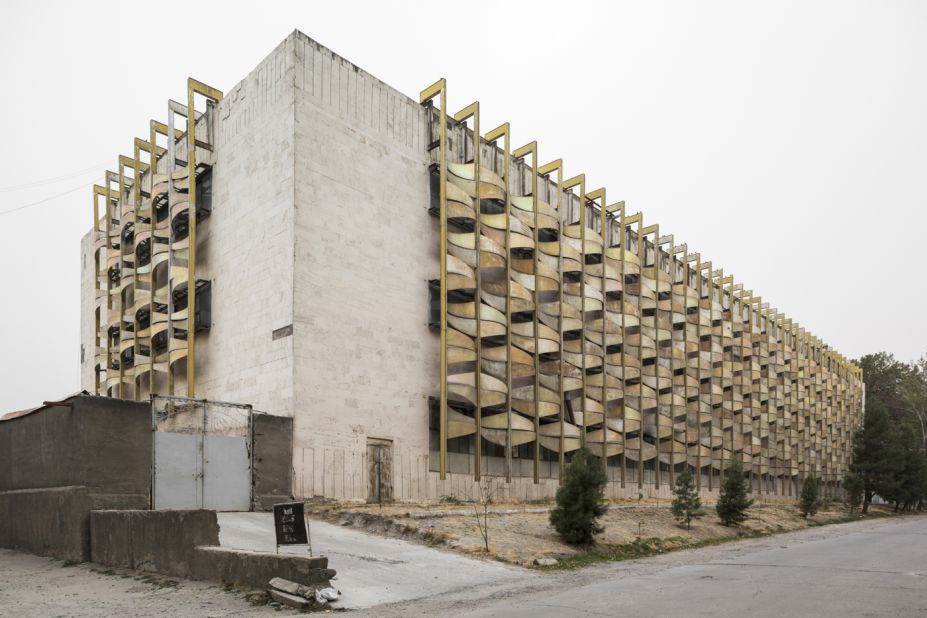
column 379, row 470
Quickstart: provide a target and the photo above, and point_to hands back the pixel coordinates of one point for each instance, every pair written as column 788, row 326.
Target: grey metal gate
column 201, row 454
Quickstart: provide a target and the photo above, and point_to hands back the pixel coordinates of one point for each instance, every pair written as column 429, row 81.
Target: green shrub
column 733, row 502
column 579, row 499
column 853, row 491
column 686, row 505
column 809, row 501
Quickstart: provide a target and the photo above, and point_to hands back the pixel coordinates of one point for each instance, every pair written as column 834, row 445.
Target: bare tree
column 488, row 489
column 914, row 394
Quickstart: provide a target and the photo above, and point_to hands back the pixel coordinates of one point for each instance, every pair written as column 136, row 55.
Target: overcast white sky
column 785, row 141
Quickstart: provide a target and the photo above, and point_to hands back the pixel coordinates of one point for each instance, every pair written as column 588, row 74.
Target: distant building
column 333, row 264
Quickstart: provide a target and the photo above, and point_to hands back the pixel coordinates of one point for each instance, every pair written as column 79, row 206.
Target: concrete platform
column 373, row 570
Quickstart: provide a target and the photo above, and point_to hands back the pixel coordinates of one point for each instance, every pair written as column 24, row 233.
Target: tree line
column 890, row 448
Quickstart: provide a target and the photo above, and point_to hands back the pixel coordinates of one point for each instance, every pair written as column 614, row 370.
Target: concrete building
column 330, row 274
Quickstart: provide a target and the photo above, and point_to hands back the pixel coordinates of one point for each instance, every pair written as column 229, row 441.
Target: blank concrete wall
column 58, row 463
column 161, row 541
column 247, row 243
column 365, row 359
column 184, row 543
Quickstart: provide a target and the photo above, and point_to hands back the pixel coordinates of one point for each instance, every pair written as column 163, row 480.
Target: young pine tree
column 733, row 502
column 579, row 499
column 853, row 492
column 809, row 501
column 686, row 505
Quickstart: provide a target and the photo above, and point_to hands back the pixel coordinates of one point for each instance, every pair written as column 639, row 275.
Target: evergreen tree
column 686, row 505
column 890, row 450
column 579, row 499
column 853, row 491
column 906, row 487
column 883, row 376
column 733, row 502
column 809, row 500
column 874, row 458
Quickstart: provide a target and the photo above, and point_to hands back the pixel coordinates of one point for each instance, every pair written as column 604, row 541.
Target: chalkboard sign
column 290, row 524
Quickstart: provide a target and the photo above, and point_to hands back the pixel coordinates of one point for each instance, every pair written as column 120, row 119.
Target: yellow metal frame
column 631, row 220
column 473, row 111
column 194, row 87
column 531, row 148
column 439, row 90
column 128, row 198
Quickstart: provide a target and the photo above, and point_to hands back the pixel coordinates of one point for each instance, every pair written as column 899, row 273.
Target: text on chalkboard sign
column 290, row 524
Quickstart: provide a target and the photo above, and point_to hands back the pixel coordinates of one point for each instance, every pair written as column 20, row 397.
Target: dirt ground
column 38, row 586
column 521, row 533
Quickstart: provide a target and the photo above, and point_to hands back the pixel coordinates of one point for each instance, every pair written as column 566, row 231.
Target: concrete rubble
column 290, row 600
column 300, row 596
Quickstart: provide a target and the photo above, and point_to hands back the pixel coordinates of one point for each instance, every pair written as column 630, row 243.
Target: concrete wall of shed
column 58, row 463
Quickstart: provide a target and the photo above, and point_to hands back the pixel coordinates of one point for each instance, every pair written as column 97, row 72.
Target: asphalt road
column 874, row 568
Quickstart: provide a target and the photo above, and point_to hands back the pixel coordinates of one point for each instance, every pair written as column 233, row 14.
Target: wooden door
column 379, row 470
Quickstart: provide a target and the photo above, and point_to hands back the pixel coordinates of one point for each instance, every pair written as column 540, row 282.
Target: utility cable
column 47, row 199
column 38, row 183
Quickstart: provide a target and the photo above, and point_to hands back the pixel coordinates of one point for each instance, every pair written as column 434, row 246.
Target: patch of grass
column 451, row 500
column 652, row 546
column 843, row 519
column 69, row 563
column 434, row 537
column 638, row 548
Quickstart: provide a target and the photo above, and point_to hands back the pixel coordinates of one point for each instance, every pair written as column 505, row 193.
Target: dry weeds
column 518, row 533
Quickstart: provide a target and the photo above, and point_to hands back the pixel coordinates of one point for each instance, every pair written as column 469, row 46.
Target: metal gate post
column 203, row 456
column 154, row 429
column 251, row 463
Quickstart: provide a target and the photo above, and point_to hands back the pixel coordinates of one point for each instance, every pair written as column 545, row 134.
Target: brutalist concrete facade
column 321, row 248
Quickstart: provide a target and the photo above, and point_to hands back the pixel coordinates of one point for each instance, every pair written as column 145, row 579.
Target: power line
column 47, row 199
column 38, row 183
